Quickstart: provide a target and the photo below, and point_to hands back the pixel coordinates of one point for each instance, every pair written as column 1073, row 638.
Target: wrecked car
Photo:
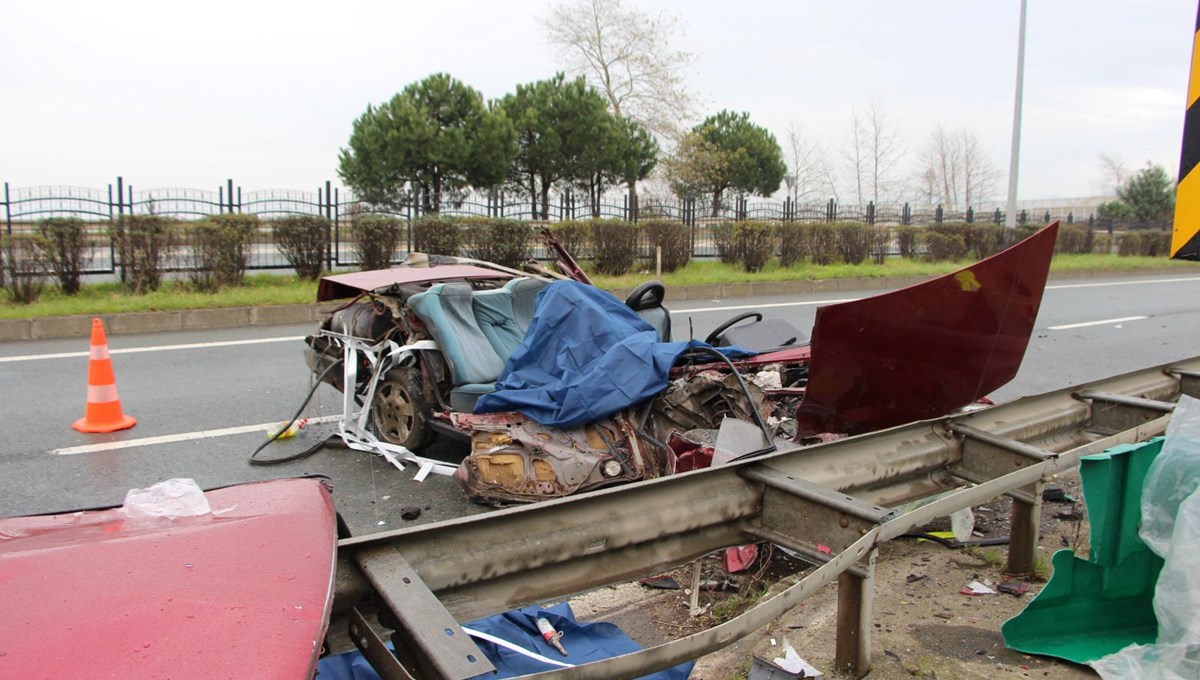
column 560, row 387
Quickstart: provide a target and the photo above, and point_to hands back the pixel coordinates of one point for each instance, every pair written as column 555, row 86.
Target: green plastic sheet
column 1094, row 607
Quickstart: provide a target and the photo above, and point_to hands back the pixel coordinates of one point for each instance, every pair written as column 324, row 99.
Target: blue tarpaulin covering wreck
column 585, row 356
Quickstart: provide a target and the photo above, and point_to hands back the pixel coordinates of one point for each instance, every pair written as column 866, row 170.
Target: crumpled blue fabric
column 586, row 355
column 584, row 642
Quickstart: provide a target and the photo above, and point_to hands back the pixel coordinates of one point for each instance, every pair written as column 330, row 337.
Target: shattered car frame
column 452, row 324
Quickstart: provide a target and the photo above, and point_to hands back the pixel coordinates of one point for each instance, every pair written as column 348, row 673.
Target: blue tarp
column 585, row 356
column 584, row 642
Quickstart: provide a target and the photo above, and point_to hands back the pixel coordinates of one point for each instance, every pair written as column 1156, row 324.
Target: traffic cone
column 103, row 407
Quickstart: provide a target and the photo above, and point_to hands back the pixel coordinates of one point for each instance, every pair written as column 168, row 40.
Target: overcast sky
column 172, row 94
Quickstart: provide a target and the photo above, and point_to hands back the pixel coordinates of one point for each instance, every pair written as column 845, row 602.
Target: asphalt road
column 187, row 388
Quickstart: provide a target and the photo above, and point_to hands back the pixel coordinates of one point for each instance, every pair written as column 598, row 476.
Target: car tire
column 399, row 411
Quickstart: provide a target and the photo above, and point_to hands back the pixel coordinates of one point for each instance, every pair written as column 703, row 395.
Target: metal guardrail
column 832, row 495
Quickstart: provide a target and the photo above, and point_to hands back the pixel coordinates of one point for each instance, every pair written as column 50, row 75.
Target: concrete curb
column 46, row 328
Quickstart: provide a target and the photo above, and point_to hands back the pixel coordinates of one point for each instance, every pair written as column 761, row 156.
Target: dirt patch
column 922, row 625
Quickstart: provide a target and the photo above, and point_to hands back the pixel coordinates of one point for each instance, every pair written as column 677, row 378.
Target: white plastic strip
column 516, row 648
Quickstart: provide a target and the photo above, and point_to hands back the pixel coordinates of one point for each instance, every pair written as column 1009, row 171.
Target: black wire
column 749, row 400
column 254, row 460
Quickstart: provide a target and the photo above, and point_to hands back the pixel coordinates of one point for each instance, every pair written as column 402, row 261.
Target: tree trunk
column 633, row 197
column 436, row 198
column 716, row 204
column 545, row 200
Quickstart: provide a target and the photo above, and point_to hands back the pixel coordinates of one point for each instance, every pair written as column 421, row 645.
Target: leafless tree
column 874, row 154
column 1114, row 173
column 954, row 170
column 628, row 56
column 810, row 175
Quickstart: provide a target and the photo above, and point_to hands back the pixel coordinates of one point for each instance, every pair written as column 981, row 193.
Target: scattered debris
column 1017, row 588
column 410, row 512
column 913, row 578
column 550, row 635
column 788, row 666
column 977, row 588
column 663, row 582
column 1054, row 494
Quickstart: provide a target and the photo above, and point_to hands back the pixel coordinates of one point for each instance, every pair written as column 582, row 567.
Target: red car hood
column 341, row 286
column 923, row 351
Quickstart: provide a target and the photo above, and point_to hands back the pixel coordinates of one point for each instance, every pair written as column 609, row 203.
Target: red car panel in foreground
column 242, row 592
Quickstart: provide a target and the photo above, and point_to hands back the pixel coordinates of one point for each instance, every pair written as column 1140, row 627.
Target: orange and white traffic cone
column 103, row 407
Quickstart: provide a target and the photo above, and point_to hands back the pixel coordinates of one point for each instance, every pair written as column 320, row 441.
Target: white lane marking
column 1121, row 283
column 181, row 437
column 1103, row 322
column 766, row 306
column 729, row 308
column 158, row 348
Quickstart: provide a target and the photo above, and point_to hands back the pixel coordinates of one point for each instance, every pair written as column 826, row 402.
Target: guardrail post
column 1023, row 534
column 856, row 596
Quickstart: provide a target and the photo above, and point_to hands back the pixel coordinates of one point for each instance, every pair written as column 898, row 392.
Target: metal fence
column 25, row 207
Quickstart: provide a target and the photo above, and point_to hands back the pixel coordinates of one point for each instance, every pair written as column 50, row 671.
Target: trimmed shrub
column 1018, row 233
column 616, row 244
column 142, row 243
column 1155, row 243
column 503, row 241
column 67, row 252
column 983, row 239
column 755, row 243
column 821, row 239
column 375, row 239
column 943, row 247
column 793, row 247
column 1129, row 244
column 725, row 240
column 436, row 235
column 1073, row 239
column 23, row 258
column 906, row 240
column 674, row 237
column 574, row 235
column 1102, row 244
column 853, row 241
column 304, row 241
column 219, row 243
column 879, row 242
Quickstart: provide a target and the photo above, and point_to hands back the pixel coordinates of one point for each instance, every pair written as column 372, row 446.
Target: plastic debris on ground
column 1171, row 528
column 977, row 588
column 520, row 648
column 788, row 666
column 1117, row 599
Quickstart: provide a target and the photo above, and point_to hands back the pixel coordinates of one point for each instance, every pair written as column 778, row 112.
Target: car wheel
column 399, row 411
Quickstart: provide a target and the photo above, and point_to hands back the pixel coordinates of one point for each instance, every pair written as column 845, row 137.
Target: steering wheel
column 646, row 296
column 715, row 335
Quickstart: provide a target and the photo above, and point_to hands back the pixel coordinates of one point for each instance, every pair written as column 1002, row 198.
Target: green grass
column 274, row 289
column 111, row 298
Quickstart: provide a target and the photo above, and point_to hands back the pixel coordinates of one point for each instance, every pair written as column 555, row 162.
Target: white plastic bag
column 1171, row 528
column 172, row 498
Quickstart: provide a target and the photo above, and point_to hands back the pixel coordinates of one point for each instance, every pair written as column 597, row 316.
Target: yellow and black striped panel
column 1185, row 242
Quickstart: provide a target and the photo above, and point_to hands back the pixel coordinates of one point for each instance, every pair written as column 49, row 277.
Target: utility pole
column 1010, row 210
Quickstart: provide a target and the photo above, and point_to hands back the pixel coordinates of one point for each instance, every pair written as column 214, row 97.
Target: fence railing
column 25, row 207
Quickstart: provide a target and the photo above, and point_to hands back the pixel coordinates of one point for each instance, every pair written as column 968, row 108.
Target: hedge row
column 219, row 245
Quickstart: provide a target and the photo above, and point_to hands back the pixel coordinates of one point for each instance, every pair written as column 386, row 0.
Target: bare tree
column 1114, row 173
column 810, row 176
column 955, row 171
column 875, row 150
column 627, row 55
